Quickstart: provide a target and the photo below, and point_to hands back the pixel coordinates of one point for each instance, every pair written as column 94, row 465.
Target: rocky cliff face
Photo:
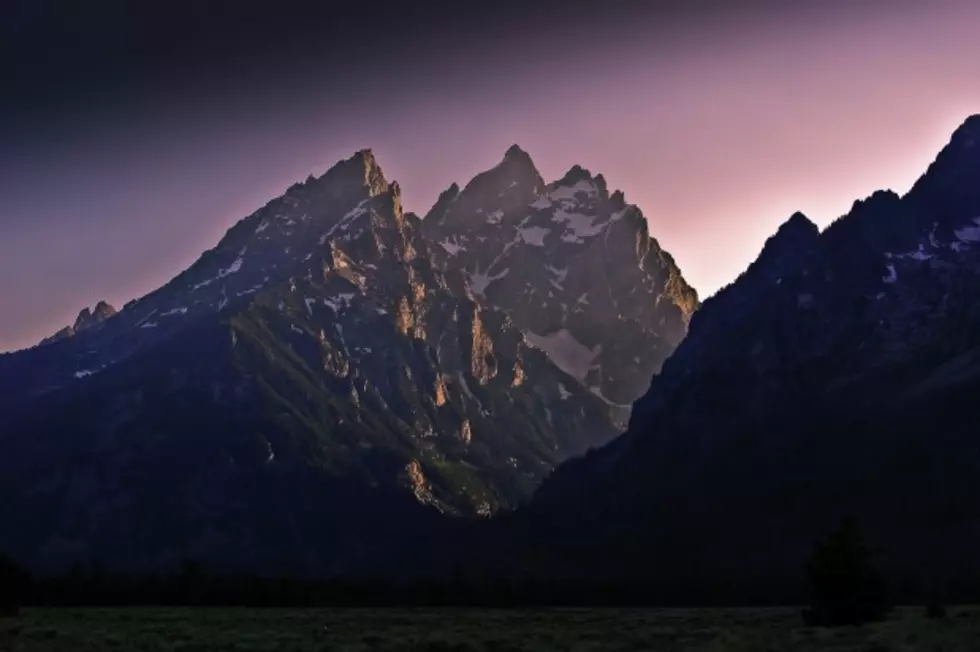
column 833, row 377
column 311, row 391
column 573, row 266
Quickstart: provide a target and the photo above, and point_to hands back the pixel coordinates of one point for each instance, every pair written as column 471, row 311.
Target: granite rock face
column 573, row 266
column 312, row 391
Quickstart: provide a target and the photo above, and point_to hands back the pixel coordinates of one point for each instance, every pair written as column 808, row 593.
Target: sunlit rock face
column 312, row 390
column 572, row 266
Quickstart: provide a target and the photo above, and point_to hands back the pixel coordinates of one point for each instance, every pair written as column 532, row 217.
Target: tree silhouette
column 846, row 589
column 14, row 584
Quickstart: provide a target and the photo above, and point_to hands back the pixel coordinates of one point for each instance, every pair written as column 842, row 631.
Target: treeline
column 195, row 586
column 840, row 583
column 199, row 588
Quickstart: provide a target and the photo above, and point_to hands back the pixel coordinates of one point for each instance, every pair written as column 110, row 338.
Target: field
column 568, row 630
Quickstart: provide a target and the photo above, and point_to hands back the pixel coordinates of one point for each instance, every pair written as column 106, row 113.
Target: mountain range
column 342, row 387
column 336, row 374
column 835, row 377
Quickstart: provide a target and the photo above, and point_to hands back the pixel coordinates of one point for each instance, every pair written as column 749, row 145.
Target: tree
column 846, row 588
column 14, row 585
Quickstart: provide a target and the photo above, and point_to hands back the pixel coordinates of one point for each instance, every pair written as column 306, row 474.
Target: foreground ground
column 677, row 630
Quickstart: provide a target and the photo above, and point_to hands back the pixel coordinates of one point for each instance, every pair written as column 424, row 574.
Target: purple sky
column 717, row 124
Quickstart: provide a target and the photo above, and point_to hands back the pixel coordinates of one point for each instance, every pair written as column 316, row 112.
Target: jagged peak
column 516, row 158
column 955, row 166
column 618, row 199
column 798, row 222
column 83, row 316
column 515, row 170
column 580, row 178
column 439, row 209
column 90, row 316
column 969, row 132
column 514, row 152
column 784, row 248
column 575, row 174
column 104, row 309
column 362, row 169
column 600, row 182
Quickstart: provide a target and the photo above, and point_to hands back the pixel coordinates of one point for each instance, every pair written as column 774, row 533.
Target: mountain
column 572, row 266
column 836, row 376
column 87, row 319
column 311, row 393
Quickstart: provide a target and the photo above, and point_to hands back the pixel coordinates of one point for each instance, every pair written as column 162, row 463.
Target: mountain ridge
column 317, row 349
column 831, row 378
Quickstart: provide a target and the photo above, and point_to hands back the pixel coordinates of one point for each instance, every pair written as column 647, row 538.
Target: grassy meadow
column 464, row 630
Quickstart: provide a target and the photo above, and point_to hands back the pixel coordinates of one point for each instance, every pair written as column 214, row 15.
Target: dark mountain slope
column 834, row 377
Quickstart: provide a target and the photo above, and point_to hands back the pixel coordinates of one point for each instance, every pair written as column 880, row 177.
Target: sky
column 133, row 135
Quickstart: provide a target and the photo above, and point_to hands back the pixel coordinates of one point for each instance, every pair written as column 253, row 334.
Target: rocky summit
column 331, row 380
column 87, row 319
column 573, row 266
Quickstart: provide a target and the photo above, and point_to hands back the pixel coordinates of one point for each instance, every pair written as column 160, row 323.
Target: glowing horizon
column 718, row 131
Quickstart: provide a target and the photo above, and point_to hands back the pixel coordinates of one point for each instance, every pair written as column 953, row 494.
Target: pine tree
column 846, row 588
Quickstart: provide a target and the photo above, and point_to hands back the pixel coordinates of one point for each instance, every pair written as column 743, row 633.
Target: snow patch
column 182, row 310
column 347, row 220
column 495, row 217
column 149, row 324
column 597, row 391
column 82, row 373
column 568, row 354
column 262, row 226
column 892, row 275
column 309, row 305
column 146, row 318
column 251, row 290
column 577, row 226
column 339, row 302
column 562, row 392
column 480, row 282
column 533, row 235
column 452, row 248
column 919, row 255
column 541, row 203
column 559, row 278
column 233, row 268
column 969, row 233
column 296, row 329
